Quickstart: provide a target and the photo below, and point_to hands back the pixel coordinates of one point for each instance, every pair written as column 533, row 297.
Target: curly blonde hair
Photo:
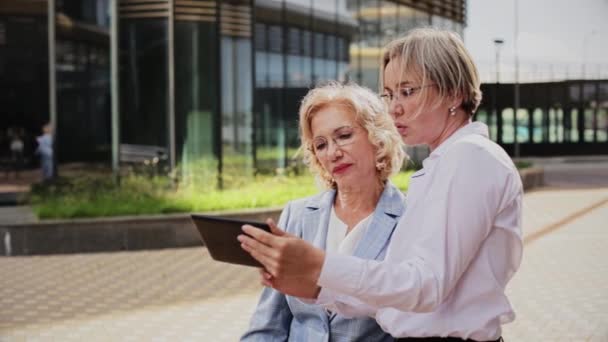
column 370, row 113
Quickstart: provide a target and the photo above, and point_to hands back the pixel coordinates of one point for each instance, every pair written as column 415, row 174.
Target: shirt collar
column 468, row 129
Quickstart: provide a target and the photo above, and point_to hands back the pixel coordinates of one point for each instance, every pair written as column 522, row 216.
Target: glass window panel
column 262, row 73
column 331, row 47
column 522, row 125
column 574, row 127
column 537, row 123
column 306, row 43
column 602, row 125
column 507, row 126
column 318, row 70
column 342, row 47
column 482, row 116
column 294, row 43
column 552, row 125
column 343, row 71
column 275, row 39
column 306, row 71
column 144, row 70
column 260, row 37
column 295, row 75
column 275, row 69
column 588, row 116
column 388, row 22
column 237, row 156
column 331, row 69
column 195, row 101
column 559, row 125
column 319, row 45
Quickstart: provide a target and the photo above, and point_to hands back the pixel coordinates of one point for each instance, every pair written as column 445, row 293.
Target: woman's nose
column 395, row 110
column 335, row 152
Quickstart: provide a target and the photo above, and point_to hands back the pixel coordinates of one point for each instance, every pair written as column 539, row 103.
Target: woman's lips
column 340, row 168
column 402, row 129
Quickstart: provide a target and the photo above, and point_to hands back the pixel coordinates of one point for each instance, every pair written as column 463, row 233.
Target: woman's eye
column 319, row 146
column 345, row 136
column 406, row 92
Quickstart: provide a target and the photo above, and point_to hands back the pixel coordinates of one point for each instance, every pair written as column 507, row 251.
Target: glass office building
column 217, row 83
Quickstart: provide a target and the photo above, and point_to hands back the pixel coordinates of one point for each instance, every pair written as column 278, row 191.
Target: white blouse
column 452, row 253
column 337, row 239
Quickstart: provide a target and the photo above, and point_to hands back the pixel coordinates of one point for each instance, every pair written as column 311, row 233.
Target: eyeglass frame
column 312, row 148
column 409, row 91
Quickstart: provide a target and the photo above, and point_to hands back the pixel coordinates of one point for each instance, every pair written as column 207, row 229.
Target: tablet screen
column 219, row 236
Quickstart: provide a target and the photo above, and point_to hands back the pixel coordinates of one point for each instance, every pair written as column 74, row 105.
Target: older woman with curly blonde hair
column 351, row 144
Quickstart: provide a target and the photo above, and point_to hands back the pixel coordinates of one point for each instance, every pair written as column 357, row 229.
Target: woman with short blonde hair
column 441, row 57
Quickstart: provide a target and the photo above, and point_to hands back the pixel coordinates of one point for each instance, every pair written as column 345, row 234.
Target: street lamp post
column 497, row 43
column 516, row 83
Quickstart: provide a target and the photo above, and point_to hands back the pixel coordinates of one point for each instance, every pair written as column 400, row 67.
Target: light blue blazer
column 284, row 318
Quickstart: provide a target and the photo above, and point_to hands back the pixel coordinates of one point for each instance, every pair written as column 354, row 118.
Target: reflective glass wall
column 380, row 21
column 236, row 80
column 24, row 83
column 216, row 84
column 82, row 71
column 196, row 94
column 196, row 91
column 298, row 44
column 554, row 118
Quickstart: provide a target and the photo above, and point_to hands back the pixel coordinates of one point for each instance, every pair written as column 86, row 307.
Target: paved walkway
column 559, row 294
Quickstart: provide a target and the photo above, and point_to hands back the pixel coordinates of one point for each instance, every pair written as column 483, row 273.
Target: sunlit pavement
column 559, row 294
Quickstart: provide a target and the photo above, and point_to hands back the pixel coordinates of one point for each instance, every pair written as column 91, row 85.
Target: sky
column 558, row 39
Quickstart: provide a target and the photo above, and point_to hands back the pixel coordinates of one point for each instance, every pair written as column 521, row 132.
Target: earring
column 452, row 111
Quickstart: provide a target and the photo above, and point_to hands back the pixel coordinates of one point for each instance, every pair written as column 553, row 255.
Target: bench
column 143, row 155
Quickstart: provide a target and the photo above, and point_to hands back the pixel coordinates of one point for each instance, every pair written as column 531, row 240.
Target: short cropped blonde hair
column 441, row 58
column 370, row 113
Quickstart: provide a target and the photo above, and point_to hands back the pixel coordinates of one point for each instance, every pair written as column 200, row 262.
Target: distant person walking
column 16, row 147
column 45, row 150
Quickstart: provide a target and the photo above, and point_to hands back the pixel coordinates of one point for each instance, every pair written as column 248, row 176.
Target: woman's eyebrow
column 342, row 127
column 334, row 131
column 400, row 85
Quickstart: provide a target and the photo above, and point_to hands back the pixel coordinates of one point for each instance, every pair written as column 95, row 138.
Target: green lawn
column 137, row 195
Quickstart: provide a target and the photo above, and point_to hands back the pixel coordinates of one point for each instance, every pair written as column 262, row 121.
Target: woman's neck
column 451, row 126
column 354, row 203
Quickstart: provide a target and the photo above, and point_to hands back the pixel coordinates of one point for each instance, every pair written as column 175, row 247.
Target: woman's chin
column 409, row 140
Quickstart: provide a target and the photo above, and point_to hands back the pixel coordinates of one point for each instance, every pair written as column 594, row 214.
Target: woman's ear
column 455, row 102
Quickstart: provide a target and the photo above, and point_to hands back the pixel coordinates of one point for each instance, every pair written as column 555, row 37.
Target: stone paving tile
column 560, row 293
column 143, row 295
column 544, row 207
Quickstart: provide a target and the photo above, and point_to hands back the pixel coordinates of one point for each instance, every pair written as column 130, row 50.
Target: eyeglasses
column 341, row 137
column 402, row 93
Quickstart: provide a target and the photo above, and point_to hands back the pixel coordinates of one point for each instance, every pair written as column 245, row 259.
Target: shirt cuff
column 341, row 273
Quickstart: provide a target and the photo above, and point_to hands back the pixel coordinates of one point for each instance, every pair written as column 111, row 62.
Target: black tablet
column 219, row 236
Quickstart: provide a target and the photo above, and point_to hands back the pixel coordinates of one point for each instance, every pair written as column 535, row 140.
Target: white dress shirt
column 450, row 256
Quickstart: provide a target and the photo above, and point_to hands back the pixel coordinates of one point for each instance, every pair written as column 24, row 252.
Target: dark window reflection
column 195, row 99
column 143, row 75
